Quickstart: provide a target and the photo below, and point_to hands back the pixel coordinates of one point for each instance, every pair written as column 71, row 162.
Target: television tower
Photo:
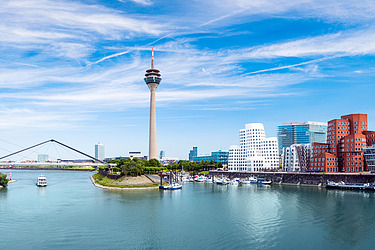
column 152, row 79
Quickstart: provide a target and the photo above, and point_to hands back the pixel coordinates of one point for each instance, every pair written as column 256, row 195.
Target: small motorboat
column 222, row 181
column 172, row 186
column 263, row 181
column 42, row 181
column 233, row 182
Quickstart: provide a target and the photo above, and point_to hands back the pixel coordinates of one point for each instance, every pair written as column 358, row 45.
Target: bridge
column 96, row 162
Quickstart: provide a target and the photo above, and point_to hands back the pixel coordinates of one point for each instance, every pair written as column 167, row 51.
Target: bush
column 116, row 169
column 154, row 169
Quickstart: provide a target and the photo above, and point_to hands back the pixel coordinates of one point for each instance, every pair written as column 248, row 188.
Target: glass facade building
column 217, row 156
column 369, row 155
column 193, row 153
column 301, row 133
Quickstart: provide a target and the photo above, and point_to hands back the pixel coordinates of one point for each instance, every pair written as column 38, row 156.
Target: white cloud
column 347, row 43
column 142, row 2
column 230, row 11
column 66, row 29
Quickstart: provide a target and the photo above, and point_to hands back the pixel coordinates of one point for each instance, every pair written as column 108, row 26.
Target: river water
column 71, row 213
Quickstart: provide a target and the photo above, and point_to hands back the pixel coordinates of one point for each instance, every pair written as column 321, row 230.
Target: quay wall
column 297, row 178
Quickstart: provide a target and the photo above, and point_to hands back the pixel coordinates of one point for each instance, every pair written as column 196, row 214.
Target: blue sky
column 73, row 70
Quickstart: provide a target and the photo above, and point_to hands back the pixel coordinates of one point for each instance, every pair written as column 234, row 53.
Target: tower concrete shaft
column 152, row 137
column 152, row 79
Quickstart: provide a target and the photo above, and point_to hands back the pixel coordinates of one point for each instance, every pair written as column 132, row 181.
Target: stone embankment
column 297, row 178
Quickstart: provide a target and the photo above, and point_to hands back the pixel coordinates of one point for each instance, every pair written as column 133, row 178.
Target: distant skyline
column 73, row 70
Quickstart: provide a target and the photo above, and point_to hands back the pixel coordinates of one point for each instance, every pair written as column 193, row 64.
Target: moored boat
column 42, row 181
column 353, row 186
column 221, row 181
column 263, row 181
column 250, row 180
column 233, row 182
column 172, row 186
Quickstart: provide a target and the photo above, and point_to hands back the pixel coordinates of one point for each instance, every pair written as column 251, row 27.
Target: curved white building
column 255, row 152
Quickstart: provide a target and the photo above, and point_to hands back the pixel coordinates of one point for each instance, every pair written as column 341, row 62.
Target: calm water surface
column 73, row 214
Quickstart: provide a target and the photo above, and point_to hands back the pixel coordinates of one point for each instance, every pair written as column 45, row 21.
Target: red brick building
column 346, row 137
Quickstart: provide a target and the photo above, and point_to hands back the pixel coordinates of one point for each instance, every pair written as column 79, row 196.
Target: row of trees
column 194, row 166
column 136, row 167
column 3, row 180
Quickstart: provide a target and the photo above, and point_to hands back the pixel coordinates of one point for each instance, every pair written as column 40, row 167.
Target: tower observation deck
column 152, row 79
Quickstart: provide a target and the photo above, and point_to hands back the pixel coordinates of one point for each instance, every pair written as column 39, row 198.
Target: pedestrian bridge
column 66, row 163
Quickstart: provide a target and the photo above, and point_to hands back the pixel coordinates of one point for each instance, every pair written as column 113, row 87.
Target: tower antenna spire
column 152, row 79
column 152, row 61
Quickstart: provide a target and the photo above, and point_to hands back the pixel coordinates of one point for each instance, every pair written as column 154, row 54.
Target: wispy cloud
column 142, row 2
column 74, row 57
column 349, row 43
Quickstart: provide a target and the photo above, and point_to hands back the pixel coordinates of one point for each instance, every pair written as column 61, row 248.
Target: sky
column 73, row 70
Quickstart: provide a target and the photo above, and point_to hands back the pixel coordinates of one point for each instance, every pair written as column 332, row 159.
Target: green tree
column 132, row 168
column 154, row 163
column 219, row 165
column 3, row 180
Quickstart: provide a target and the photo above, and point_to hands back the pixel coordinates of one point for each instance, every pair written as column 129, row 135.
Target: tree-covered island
column 135, row 173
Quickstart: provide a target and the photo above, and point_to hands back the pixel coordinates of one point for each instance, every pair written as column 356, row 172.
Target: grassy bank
column 125, row 182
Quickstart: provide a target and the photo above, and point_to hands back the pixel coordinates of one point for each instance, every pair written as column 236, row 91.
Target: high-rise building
column 346, row 139
column 256, row 152
column 42, row 158
column 152, row 79
column 99, row 151
column 300, row 133
column 193, row 153
column 162, row 155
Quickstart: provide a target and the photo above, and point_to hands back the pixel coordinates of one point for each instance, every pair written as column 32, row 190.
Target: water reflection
column 201, row 215
column 3, row 193
column 348, row 215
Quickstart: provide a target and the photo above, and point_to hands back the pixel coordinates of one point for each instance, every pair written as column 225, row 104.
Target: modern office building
column 42, row 158
column 344, row 151
column 369, row 150
column 215, row 157
column 162, row 155
column 99, row 151
column 296, row 157
column 193, row 153
column 255, row 152
column 152, row 79
column 300, row 133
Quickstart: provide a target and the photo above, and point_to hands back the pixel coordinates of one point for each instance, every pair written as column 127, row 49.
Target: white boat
column 253, row 180
column 172, row 186
column 200, row 178
column 187, row 179
column 250, row 180
column 175, row 186
column 42, row 181
column 209, row 180
column 221, row 181
column 233, row 182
